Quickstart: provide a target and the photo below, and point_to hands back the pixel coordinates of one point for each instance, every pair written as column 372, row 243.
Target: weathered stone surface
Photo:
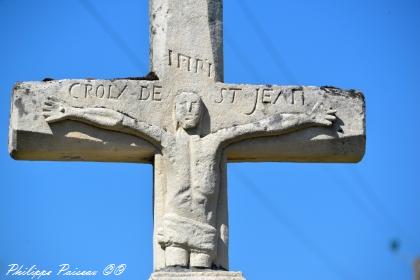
column 216, row 275
column 225, row 105
column 188, row 123
column 190, row 130
column 31, row 137
column 187, row 40
column 416, row 266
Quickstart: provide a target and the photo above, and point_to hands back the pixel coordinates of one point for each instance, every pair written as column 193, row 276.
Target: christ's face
column 188, row 109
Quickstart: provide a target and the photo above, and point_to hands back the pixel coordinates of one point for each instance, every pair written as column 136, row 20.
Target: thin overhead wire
column 373, row 199
column 271, row 49
column 270, row 206
column 352, row 195
column 416, row 266
column 289, row 77
column 242, row 58
column 118, row 40
column 268, row 43
column 366, row 197
column 377, row 204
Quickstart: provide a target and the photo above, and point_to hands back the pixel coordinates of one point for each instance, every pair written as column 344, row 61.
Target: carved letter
column 144, row 93
column 119, row 93
column 157, row 93
column 210, row 69
column 277, row 97
column 286, row 93
column 71, row 92
column 266, row 95
column 198, row 65
column 293, row 96
column 170, row 57
column 234, row 90
column 184, row 60
column 257, row 90
column 297, row 96
column 221, row 96
column 88, row 90
column 100, row 91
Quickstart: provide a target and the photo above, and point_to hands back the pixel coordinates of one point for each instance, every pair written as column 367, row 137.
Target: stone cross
column 188, row 123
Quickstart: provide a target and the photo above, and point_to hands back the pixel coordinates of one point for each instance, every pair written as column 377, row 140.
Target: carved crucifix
column 184, row 120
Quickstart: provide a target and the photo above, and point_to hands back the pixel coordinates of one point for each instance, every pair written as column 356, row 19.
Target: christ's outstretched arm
column 277, row 124
column 56, row 110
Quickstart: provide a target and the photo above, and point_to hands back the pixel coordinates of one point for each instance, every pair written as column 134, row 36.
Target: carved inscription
column 111, row 91
column 228, row 95
column 153, row 93
column 103, row 91
column 272, row 96
column 191, row 64
column 295, row 96
column 264, row 96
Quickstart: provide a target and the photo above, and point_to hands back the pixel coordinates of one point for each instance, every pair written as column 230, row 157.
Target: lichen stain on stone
column 19, row 88
column 351, row 93
column 151, row 76
column 71, row 158
column 21, row 108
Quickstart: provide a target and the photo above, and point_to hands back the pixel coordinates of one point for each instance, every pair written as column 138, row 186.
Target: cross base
column 202, row 275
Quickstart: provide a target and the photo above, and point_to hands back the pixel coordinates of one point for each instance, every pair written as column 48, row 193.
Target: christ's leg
column 205, row 192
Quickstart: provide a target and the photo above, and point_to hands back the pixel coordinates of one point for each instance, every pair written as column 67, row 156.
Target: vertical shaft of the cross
column 159, row 187
column 417, row 269
column 222, row 260
column 186, row 39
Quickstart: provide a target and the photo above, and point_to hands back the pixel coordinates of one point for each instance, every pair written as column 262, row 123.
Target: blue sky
column 287, row 221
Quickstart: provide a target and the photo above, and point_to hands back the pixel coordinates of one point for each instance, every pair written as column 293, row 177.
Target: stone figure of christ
column 193, row 163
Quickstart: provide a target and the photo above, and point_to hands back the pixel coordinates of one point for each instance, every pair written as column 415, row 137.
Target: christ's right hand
column 55, row 110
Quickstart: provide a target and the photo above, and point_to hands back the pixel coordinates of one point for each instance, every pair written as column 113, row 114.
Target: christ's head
column 188, row 109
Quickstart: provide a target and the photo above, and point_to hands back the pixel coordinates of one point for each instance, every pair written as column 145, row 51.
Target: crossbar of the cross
column 152, row 102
